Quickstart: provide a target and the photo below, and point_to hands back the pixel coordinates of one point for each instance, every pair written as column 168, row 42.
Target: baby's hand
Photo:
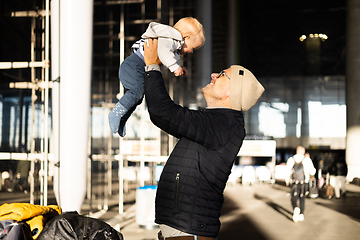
column 180, row 71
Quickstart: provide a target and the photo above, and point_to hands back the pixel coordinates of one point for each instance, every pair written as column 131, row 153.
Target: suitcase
column 313, row 191
column 329, row 191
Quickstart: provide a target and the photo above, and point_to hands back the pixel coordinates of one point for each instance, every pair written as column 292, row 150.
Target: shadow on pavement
column 348, row 205
column 285, row 212
column 240, row 226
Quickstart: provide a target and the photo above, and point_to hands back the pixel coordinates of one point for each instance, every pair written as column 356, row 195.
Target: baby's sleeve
column 167, row 52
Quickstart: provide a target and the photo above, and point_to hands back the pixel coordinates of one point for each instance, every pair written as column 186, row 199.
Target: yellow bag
column 34, row 215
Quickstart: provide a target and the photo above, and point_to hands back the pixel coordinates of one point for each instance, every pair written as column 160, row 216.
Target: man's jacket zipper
column 177, row 183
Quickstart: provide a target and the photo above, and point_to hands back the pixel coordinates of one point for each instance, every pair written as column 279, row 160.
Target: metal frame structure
column 38, row 83
column 122, row 158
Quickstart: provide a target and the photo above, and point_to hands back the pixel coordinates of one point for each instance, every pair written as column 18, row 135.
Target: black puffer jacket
column 190, row 191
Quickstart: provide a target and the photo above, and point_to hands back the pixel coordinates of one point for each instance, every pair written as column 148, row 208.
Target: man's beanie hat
column 245, row 89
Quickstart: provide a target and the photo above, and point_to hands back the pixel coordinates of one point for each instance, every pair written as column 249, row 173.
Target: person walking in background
column 340, row 176
column 189, row 197
column 186, row 36
column 299, row 170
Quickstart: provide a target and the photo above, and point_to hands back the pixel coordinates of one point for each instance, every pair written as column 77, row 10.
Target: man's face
column 219, row 87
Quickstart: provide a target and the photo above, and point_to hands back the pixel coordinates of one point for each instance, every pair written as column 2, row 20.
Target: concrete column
column 252, row 120
column 313, row 56
column 55, row 74
column 353, row 88
column 204, row 53
column 234, row 33
column 76, row 23
column 291, row 119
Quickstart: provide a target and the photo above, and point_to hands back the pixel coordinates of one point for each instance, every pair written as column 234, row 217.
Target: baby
column 185, row 36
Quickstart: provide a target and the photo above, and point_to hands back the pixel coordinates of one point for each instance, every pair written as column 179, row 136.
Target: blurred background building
column 296, row 50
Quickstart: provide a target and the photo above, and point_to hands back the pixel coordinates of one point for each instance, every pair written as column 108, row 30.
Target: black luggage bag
column 71, row 226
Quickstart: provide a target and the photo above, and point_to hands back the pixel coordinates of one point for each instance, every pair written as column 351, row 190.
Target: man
column 297, row 165
column 190, row 191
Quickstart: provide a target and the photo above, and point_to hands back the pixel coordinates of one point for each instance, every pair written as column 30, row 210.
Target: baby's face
column 190, row 44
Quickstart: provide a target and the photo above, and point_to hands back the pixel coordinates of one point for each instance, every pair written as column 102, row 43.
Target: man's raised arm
column 151, row 57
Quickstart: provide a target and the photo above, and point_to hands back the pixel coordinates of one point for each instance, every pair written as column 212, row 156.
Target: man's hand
column 150, row 52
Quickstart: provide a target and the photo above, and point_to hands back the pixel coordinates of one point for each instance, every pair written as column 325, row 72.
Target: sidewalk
column 258, row 212
column 264, row 212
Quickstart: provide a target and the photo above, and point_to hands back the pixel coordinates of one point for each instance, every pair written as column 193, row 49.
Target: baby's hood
column 156, row 30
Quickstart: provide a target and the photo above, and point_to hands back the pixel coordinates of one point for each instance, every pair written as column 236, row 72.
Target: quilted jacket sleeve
column 212, row 129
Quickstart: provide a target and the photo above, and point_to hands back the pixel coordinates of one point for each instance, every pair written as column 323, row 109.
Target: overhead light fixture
column 322, row 36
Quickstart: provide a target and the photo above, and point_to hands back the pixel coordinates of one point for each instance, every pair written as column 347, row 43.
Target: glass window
column 300, row 107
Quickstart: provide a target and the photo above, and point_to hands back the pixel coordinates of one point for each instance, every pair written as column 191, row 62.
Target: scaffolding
column 138, row 154
column 123, row 27
column 39, row 82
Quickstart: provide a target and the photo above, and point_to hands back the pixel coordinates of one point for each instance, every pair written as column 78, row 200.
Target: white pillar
column 76, row 21
column 352, row 88
column 352, row 152
column 55, row 54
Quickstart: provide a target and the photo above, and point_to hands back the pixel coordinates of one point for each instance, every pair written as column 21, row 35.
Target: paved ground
column 258, row 212
column 264, row 212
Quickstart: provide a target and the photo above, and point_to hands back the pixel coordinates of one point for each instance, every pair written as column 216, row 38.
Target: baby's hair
column 190, row 26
